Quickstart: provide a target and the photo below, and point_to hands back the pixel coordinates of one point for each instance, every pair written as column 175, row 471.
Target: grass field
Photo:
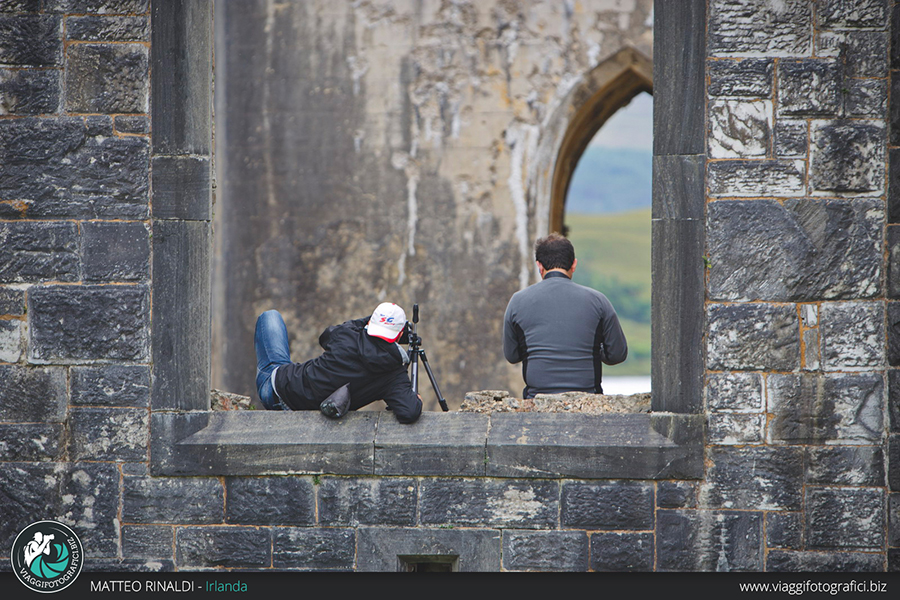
column 613, row 252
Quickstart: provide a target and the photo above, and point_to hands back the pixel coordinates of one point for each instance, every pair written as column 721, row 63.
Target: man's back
column 563, row 332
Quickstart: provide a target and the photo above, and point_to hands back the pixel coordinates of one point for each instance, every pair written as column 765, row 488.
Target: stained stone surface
column 739, row 129
column 753, row 337
column 815, row 409
column 78, row 323
column 489, row 401
column 755, row 27
column 842, row 155
column 819, row 248
column 852, row 335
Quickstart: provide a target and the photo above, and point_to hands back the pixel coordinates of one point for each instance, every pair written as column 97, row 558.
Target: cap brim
column 383, row 333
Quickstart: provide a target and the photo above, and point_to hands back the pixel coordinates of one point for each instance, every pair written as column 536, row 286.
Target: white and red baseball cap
column 387, row 322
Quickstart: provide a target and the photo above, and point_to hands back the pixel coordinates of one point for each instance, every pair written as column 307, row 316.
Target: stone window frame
column 187, row 438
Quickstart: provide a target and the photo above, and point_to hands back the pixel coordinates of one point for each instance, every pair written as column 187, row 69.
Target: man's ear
column 574, row 264
column 540, row 268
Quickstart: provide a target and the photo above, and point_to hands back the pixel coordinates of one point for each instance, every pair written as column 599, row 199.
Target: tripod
column 416, row 351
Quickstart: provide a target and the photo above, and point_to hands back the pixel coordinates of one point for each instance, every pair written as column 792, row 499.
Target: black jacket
column 374, row 368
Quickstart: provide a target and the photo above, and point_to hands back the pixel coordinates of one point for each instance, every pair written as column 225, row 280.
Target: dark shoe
column 337, row 404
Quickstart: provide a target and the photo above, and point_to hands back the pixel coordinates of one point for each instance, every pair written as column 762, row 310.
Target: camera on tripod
column 416, row 352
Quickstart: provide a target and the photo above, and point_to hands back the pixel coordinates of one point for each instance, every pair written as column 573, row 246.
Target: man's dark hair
column 554, row 252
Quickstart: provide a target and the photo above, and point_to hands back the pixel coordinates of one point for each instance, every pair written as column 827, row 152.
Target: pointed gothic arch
column 609, row 86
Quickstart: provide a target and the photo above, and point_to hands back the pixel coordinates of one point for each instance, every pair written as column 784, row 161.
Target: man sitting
column 560, row 331
column 363, row 362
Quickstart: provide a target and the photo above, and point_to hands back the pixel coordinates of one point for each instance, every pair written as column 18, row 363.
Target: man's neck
column 556, row 273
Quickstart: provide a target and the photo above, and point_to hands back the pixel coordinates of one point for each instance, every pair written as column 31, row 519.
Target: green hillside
column 613, row 252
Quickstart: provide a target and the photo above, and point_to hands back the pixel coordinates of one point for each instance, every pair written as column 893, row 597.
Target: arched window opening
column 607, row 217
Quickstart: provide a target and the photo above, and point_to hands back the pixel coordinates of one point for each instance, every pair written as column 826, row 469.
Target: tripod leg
column 414, row 371
column 434, row 384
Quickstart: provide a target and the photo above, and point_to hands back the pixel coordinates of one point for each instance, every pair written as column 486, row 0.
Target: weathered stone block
column 92, row 28
column 754, row 337
column 753, row 478
column 107, row 78
column 450, row 444
column 489, row 502
column 893, row 462
column 35, row 251
column 30, row 92
column 893, row 257
column 12, row 301
column 31, row 441
column 753, row 178
column 676, row 494
column 613, row 505
column 31, row 40
column 859, row 13
column 784, row 530
column 117, row 251
column 382, row 548
column 148, row 541
column 864, row 53
column 313, row 548
column 845, row 519
column 814, row 409
column 802, row 250
column 32, row 394
column 114, row 7
column 30, row 492
column 621, row 551
column 893, row 381
column 791, row 138
column 181, row 188
column 751, row 77
column 108, row 433
column 369, row 501
column 110, row 385
column 867, row 98
column 727, row 428
column 739, row 128
column 845, row 465
column 824, row 562
column 812, row 356
column 172, row 500
column 852, row 335
column 59, row 170
column 139, row 565
column 11, row 340
column 183, row 123
column 136, row 124
column 842, row 155
column 73, row 324
column 734, row 392
column 20, row 6
column 270, row 501
column 893, row 333
column 759, row 27
column 704, row 540
column 893, row 520
column 181, row 330
column 809, row 87
column 232, row 547
column 545, row 550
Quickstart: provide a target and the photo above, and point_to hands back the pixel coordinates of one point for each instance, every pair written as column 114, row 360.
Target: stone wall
column 787, row 461
column 797, row 278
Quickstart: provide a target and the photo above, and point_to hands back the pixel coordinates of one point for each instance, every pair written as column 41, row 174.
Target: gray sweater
column 562, row 332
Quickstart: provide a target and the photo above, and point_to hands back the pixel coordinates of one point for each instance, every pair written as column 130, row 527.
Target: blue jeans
column 272, row 350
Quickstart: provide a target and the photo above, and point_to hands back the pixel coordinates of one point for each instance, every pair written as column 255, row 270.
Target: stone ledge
column 540, row 445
